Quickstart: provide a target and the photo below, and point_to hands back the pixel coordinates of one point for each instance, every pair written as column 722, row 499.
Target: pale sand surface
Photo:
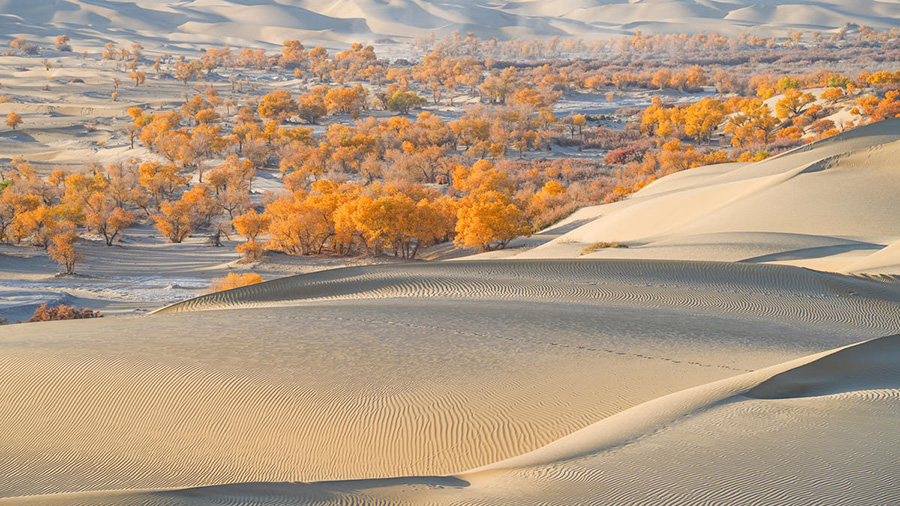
column 637, row 374
column 829, row 206
column 141, row 273
column 198, row 23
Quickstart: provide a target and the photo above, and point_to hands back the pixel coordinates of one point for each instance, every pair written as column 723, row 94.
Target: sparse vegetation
column 234, row 280
column 602, row 245
column 45, row 313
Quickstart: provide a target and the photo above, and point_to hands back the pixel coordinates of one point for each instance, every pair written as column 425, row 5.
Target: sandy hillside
column 433, row 369
column 196, row 23
column 827, row 206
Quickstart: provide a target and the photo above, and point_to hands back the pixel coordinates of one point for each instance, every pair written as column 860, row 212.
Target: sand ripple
column 555, row 381
column 764, row 291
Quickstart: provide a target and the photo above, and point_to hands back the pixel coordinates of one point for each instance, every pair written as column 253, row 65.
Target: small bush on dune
column 233, row 280
column 602, row 245
column 62, row 312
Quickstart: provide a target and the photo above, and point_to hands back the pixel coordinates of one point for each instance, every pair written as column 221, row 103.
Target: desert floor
column 468, row 382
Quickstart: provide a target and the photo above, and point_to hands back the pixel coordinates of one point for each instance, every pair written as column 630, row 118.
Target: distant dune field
column 198, row 23
column 627, row 380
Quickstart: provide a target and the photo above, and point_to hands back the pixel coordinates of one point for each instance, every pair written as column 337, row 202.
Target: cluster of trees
column 678, row 45
column 482, row 210
column 798, row 113
column 265, row 133
column 48, row 212
column 397, row 184
column 671, row 137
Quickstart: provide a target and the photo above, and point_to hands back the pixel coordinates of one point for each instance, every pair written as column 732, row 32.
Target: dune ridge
column 825, row 206
column 765, row 291
column 269, row 393
column 196, row 23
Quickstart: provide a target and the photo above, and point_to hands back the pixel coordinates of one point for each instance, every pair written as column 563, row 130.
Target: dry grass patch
column 602, row 245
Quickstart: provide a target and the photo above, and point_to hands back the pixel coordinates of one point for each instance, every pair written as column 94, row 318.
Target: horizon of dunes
column 197, row 23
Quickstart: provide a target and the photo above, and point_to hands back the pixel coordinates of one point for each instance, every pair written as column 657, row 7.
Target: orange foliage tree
column 793, row 103
column 62, row 43
column 489, row 220
column 106, row 218
column 13, row 120
column 251, row 225
column 233, row 280
column 278, row 105
column 177, row 220
column 62, row 249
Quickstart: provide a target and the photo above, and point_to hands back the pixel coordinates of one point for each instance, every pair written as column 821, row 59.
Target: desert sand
column 199, row 23
column 743, row 349
column 722, row 370
column 708, row 364
column 467, row 382
column 828, row 206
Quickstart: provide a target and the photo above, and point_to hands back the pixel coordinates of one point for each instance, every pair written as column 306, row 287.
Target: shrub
column 602, row 245
column 252, row 251
column 62, row 312
column 25, row 47
column 608, row 138
column 633, row 152
column 233, row 280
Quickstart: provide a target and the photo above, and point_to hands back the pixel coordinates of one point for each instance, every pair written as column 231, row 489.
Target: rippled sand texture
column 549, row 381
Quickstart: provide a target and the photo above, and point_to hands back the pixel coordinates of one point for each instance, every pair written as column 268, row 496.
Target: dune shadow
column 810, row 253
column 17, row 135
column 871, row 365
column 565, row 229
column 300, row 492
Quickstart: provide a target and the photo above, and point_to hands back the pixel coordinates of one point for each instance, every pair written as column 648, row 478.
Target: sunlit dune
column 467, row 252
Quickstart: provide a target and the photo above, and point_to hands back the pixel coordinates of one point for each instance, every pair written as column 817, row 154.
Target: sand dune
column 827, row 206
column 238, row 22
column 634, row 375
column 427, row 370
column 683, row 285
